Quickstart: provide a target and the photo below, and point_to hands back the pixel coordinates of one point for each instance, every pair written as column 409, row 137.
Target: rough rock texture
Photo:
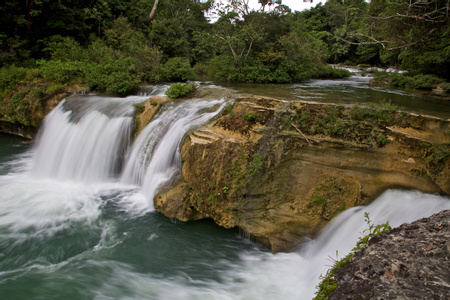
column 279, row 170
column 409, row 262
column 146, row 112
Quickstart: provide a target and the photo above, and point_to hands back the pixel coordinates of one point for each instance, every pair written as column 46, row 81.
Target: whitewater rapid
column 77, row 227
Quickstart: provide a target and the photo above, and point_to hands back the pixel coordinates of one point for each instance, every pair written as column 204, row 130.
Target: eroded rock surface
column 279, row 170
column 410, row 262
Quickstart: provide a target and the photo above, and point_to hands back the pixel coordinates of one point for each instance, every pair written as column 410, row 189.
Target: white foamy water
column 72, row 227
column 44, row 205
column 262, row 275
column 84, row 139
column 155, row 159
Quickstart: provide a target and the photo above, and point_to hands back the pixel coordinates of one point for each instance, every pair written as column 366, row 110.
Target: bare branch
column 302, row 134
column 152, row 14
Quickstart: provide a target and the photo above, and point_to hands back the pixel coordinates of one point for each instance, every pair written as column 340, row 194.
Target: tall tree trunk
column 30, row 8
column 152, row 14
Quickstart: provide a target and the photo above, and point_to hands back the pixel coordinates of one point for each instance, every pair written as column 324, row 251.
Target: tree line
column 112, row 46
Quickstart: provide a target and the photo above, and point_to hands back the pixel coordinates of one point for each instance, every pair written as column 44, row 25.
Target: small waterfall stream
column 155, row 157
column 76, row 217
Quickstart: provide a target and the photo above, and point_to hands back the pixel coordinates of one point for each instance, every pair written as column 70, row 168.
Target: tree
column 416, row 31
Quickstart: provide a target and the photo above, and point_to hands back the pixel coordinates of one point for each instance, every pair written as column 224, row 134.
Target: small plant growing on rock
column 229, row 110
column 249, row 117
column 382, row 140
column 328, row 285
column 225, row 190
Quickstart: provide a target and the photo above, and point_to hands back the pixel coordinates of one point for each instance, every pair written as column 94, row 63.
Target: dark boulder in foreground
column 409, row 262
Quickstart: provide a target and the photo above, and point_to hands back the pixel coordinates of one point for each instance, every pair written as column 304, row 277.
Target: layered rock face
column 410, row 262
column 280, row 170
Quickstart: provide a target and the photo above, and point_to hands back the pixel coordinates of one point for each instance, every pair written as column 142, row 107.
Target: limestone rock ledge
column 280, row 170
column 410, row 262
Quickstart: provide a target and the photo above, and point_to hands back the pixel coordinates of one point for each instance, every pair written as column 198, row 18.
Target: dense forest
column 112, row 46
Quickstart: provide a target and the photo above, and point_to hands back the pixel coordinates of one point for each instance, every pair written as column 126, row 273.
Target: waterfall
column 73, row 222
column 295, row 275
column 85, row 139
column 155, row 159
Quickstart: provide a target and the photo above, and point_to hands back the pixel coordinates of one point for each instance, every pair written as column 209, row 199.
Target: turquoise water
column 65, row 237
column 11, row 146
column 63, row 240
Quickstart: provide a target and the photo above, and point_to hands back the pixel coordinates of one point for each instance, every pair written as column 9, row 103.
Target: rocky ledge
column 279, row 170
column 410, row 262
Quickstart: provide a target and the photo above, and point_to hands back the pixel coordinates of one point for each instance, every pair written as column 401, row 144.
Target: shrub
column 178, row 90
column 9, row 77
column 19, row 109
column 62, row 71
column 223, row 68
column 382, row 140
column 445, row 86
column 116, row 77
column 382, row 113
column 39, row 92
column 175, row 69
column 425, row 82
column 229, row 110
column 55, row 89
column 64, row 48
column 335, row 128
column 420, row 81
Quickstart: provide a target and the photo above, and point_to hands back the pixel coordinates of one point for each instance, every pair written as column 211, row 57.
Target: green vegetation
column 357, row 124
column 178, row 90
column 329, row 197
column 229, row 110
column 113, row 47
column 328, row 285
column 242, row 172
column 420, row 81
column 255, row 166
column 436, row 155
column 19, row 109
column 249, row 117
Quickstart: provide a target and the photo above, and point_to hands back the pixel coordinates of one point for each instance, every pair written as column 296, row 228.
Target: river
column 77, row 220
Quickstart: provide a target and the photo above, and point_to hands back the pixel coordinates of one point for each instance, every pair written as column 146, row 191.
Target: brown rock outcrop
column 280, row 170
column 146, row 111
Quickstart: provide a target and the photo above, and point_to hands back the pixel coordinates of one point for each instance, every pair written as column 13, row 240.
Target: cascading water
column 85, row 139
column 65, row 232
column 155, row 158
